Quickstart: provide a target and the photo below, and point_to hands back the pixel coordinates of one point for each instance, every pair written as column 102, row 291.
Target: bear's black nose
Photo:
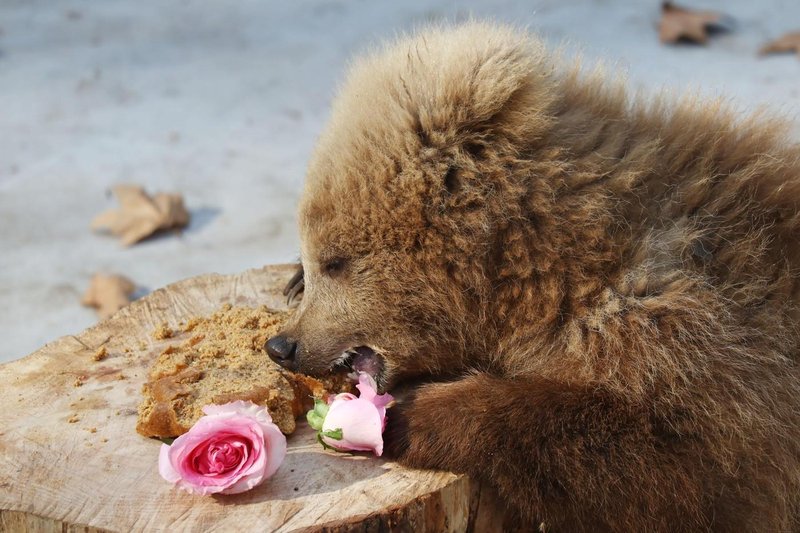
column 283, row 351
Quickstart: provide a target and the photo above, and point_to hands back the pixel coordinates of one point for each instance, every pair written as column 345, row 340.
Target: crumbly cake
column 219, row 359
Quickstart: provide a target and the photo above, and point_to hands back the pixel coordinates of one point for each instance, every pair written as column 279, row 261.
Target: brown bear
column 603, row 290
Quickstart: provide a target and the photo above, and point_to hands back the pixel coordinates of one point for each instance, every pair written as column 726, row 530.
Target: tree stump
column 71, row 460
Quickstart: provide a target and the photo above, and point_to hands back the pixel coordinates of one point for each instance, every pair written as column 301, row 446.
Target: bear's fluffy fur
column 606, row 289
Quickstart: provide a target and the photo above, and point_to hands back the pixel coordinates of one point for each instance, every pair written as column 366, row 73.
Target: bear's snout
column 283, row 350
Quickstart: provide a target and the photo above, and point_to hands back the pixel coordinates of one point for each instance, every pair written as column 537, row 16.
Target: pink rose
column 351, row 423
column 232, row 449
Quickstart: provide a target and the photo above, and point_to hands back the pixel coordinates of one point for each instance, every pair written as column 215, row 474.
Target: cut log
column 71, row 460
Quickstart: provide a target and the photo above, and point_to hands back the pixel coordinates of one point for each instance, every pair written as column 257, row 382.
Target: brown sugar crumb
column 221, row 359
column 73, row 418
column 92, row 430
column 191, row 324
column 79, row 381
column 122, row 377
column 169, row 349
column 104, row 439
column 162, row 332
column 100, row 354
column 194, row 341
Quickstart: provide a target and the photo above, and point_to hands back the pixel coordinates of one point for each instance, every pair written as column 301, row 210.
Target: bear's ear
column 463, row 92
column 447, row 85
column 471, row 84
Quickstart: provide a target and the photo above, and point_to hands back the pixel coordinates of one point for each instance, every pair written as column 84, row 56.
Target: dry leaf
column 682, row 23
column 108, row 293
column 789, row 42
column 140, row 215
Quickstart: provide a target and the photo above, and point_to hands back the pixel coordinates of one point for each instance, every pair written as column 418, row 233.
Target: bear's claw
column 295, row 286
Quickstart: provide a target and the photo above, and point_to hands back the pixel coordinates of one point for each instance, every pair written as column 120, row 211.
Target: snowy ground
column 222, row 100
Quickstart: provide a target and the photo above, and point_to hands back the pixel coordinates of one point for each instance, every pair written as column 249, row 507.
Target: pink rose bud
column 351, row 423
column 232, row 449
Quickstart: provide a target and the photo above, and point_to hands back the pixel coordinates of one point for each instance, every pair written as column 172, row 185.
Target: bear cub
column 601, row 291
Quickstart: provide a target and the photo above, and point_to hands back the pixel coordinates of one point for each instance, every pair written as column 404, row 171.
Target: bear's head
column 406, row 191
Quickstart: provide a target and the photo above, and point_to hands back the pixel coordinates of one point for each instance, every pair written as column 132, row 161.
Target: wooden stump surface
column 71, row 460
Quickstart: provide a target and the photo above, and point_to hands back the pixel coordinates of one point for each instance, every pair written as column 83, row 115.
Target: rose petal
column 165, row 465
column 342, row 396
column 369, row 391
column 198, row 489
column 208, row 459
column 240, row 407
column 244, row 484
column 361, row 425
column 275, row 448
column 231, row 449
column 268, row 462
column 249, row 478
column 197, row 443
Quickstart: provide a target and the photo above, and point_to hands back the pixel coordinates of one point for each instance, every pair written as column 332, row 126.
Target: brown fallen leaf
column 683, row 23
column 140, row 215
column 789, row 42
column 108, row 293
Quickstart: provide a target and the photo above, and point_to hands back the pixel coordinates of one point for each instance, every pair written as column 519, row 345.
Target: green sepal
column 316, row 416
column 321, row 408
column 335, row 434
column 314, row 420
column 167, row 440
column 325, row 445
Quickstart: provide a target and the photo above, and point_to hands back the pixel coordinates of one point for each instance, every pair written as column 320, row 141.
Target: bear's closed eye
column 334, row 266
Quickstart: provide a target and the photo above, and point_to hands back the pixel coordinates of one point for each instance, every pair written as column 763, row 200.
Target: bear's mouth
column 361, row 359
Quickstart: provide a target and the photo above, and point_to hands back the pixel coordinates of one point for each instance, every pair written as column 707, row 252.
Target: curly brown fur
column 616, row 282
